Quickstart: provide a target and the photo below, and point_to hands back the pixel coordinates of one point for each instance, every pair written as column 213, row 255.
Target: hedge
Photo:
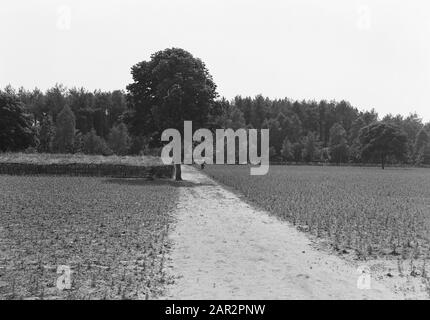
column 83, row 169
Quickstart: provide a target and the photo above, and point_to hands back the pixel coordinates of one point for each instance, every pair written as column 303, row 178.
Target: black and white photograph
column 214, row 156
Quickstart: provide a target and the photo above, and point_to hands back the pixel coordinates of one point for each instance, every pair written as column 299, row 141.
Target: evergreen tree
column 338, row 145
column 309, row 148
column 287, row 150
column 65, row 131
column 421, row 142
column 426, row 154
column 275, row 134
column 119, row 139
column 16, row 132
column 46, row 134
column 297, row 151
column 272, row 154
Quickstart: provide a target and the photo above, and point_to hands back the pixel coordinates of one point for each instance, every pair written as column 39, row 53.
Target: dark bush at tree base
column 93, row 144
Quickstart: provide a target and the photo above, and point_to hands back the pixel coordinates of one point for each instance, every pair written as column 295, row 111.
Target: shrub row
column 83, row 169
column 346, row 164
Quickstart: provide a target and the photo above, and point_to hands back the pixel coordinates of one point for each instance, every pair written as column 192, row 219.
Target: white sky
column 375, row 54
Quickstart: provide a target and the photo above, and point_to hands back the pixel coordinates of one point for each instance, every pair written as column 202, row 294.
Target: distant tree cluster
column 64, row 120
column 15, row 125
column 329, row 131
column 174, row 86
column 75, row 120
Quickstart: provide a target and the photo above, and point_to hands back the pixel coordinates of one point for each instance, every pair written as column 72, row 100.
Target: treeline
column 326, row 131
column 76, row 120
column 70, row 120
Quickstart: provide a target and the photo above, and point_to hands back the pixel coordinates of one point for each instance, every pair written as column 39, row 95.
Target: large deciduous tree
column 381, row 139
column 173, row 86
column 16, row 132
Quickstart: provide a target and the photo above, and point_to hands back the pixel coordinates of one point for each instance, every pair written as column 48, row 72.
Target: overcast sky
column 375, row 54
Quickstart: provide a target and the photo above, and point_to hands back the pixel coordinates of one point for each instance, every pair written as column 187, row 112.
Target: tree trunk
column 178, row 174
column 383, row 162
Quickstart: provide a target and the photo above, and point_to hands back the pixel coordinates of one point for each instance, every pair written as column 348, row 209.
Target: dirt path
column 225, row 249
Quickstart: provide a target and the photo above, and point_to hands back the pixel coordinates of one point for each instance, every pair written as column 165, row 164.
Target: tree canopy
column 65, row 131
column 383, row 139
column 338, row 144
column 119, row 139
column 173, row 86
column 16, row 132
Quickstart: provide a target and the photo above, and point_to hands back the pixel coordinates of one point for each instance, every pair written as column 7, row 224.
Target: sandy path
column 225, row 249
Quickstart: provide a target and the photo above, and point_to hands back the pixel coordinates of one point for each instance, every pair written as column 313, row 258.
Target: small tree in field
column 65, row 131
column 119, row 139
column 380, row 140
